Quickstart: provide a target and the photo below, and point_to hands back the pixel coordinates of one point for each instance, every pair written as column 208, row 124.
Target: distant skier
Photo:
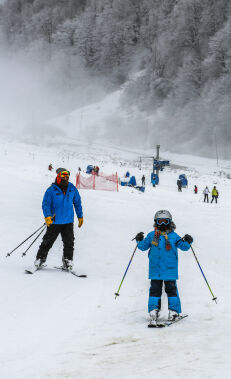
column 179, row 185
column 206, row 194
column 57, row 206
column 127, row 175
column 50, row 167
column 163, row 243
column 195, row 189
column 97, row 170
column 214, row 194
column 153, row 181
column 143, row 181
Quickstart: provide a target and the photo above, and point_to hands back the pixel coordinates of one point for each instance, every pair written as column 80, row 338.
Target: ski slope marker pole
column 23, row 254
column 214, row 298
column 117, row 293
column 9, row 254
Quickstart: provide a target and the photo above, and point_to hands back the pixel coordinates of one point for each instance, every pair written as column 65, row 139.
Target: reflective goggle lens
column 162, row 221
column 65, row 173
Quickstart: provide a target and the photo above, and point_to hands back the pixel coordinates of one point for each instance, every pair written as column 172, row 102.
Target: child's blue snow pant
column 155, row 293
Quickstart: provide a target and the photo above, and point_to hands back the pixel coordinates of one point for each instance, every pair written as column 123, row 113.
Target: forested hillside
column 172, row 57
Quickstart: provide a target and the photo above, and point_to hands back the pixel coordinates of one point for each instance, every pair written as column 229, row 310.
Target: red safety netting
column 98, row 182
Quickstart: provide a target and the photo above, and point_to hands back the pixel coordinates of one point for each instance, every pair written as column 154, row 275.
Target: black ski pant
column 156, row 289
column 67, row 234
column 214, row 197
column 206, row 198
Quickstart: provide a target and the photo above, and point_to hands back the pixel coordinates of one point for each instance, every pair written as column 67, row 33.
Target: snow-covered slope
column 54, row 325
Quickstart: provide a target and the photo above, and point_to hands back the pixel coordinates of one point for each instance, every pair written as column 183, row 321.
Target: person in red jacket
column 195, row 189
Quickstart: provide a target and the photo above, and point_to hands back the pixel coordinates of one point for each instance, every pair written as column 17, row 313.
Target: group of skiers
column 153, row 181
column 206, row 192
column 215, row 194
column 58, row 205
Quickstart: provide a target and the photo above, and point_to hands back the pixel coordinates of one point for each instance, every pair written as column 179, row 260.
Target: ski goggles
column 64, row 173
column 163, row 221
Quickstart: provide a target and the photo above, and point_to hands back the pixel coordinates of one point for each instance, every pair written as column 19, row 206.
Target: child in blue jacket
column 163, row 243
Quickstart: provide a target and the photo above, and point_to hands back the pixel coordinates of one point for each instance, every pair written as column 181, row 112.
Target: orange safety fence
column 101, row 182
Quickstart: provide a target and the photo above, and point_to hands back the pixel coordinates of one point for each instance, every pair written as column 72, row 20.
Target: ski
column 32, row 270
column 61, row 268
column 163, row 324
column 152, row 324
column 169, row 323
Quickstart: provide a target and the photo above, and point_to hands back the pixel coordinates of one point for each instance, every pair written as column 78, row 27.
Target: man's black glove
column 188, row 238
column 139, row 237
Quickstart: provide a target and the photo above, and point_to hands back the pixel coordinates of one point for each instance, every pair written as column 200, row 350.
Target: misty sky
column 176, row 84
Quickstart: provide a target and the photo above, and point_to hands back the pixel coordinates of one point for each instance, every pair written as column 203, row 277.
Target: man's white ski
column 73, row 272
column 33, row 269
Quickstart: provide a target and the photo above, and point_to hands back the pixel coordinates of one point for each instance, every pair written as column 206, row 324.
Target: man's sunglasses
column 163, row 221
column 64, row 173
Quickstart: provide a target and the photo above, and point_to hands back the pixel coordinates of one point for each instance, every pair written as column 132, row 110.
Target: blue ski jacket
column 55, row 202
column 163, row 264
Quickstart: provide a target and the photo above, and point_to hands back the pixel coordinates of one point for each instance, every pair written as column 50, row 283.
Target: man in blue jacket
column 163, row 243
column 58, row 211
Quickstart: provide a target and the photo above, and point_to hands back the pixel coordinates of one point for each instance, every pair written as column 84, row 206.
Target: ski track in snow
column 54, row 325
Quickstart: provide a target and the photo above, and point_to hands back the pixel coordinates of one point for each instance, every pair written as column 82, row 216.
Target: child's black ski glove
column 139, row 237
column 188, row 238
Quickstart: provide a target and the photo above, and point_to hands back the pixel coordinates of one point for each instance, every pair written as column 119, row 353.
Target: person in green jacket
column 214, row 194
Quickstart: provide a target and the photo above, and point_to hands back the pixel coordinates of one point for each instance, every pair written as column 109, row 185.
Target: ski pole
column 214, row 298
column 117, row 293
column 23, row 254
column 8, row 254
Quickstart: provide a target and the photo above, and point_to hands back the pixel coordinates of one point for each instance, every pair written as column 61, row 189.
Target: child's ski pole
column 117, row 293
column 214, row 298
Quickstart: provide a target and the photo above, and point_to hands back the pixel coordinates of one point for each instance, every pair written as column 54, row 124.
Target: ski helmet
column 163, row 214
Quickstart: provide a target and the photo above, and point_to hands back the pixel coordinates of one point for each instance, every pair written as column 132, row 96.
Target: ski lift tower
column 157, row 159
column 157, row 165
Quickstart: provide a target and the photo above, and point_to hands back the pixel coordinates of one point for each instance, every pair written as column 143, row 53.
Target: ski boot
column 154, row 316
column 67, row 264
column 173, row 315
column 39, row 262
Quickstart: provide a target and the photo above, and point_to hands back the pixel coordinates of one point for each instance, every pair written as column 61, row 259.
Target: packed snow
column 54, row 325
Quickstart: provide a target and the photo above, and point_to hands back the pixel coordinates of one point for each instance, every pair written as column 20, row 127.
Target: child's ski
column 163, row 324
column 169, row 323
column 153, row 324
